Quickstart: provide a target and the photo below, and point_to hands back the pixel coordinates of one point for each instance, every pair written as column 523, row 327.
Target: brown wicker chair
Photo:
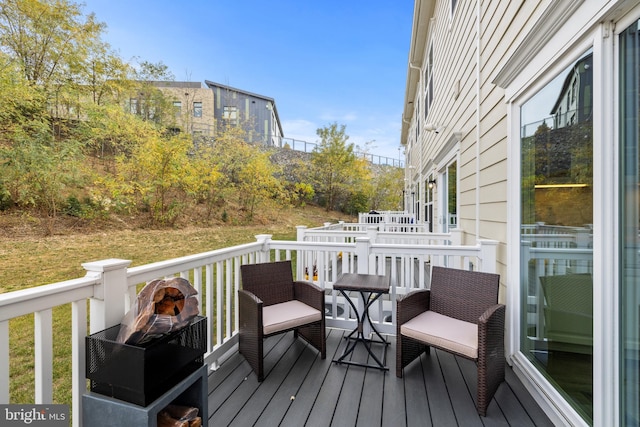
column 270, row 302
column 460, row 315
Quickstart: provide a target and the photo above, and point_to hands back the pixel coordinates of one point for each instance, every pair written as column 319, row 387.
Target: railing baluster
column 197, row 285
column 4, row 362
column 229, row 292
column 219, row 272
column 209, row 306
column 78, row 365
column 43, row 356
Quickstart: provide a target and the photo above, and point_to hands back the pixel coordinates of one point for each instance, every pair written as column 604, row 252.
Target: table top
column 362, row 283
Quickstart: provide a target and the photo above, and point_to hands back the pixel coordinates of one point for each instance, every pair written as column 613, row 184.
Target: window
column 428, row 83
column 133, row 105
column 454, row 3
column 177, row 108
column 230, row 113
column 197, row 109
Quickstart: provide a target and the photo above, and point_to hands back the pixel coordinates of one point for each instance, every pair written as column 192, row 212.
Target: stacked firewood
column 179, row 416
column 162, row 306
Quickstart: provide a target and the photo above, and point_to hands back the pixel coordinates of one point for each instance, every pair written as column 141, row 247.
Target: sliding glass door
column 629, row 96
column 556, row 233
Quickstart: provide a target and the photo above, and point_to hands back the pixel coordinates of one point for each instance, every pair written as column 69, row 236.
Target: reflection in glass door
column 450, row 197
column 428, row 197
column 556, row 233
column 630, row 221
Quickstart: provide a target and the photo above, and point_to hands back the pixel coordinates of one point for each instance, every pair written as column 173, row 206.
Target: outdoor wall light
column 432, row 127
column 431, row 184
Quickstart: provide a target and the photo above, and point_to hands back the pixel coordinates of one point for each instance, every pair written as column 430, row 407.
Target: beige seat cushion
column 443, row 331
column 288, row 315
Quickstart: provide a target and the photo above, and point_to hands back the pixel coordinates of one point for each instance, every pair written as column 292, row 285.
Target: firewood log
column 179, row 412
column 165, row 420
column 159, row 295
column 173, row 292
column 166, row 306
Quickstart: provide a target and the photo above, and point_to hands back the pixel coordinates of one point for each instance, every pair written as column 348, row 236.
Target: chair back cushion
column 463, row 294
column 272, row 282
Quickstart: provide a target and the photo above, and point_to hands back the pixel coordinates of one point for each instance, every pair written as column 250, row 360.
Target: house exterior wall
column 490, row 57
column 188, row 94
column 255, row 113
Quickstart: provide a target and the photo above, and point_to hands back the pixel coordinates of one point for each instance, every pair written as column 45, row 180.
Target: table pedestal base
column 359, row 337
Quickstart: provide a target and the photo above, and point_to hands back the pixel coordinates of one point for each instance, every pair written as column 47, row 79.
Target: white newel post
column 300, row 233
column 363, row 248
column 265, row 240
column 488, row 256
column 363, row 245
column 372, row 234
column 107, row 307
column 456, row 236
column 584, row 238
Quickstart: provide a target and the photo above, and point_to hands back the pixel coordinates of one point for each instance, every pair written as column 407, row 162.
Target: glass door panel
column 556, row 233
column 630, row 221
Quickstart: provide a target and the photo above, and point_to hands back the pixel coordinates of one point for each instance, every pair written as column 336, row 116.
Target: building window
column 177, row 108
column 133, row 106
column 197, row 109
column 230, row 113
column 454, row 3
column 428, row 83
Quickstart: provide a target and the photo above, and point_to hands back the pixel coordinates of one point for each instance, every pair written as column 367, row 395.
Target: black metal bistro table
column 370, row 287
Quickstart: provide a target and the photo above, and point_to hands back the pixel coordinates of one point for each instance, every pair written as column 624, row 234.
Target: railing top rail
column 164, row 268
column 556, row 252
column 30, row 300
column 389, row 248
column 326, row 246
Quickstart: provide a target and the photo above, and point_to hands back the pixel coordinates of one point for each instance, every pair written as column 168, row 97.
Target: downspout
column 417, row 120
column 478, row 118
column 406, row 167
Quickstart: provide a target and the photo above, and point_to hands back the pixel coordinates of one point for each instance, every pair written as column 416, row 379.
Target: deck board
column 300, row 389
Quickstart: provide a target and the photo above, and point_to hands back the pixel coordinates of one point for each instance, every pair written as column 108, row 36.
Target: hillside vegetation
column 72, row 145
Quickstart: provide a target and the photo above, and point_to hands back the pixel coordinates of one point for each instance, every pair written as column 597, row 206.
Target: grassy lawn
column 32, row 260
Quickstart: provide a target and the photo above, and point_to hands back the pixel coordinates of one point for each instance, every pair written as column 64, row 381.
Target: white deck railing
column 110, row 286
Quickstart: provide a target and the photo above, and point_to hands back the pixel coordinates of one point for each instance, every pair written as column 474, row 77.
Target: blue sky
column 342, row 61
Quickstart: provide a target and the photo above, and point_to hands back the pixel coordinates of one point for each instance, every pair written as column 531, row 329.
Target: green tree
column 337, row 171
column 386, row 189
column 48, row 39
column 257, row 183
column 206, row 182
column 160, row 168
column 248, row 176
column 151, row 103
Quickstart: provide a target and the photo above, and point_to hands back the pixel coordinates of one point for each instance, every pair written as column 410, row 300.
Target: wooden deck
column 300, row 389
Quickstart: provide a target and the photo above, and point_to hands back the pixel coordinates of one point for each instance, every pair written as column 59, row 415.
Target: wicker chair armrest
column 309, row 293
column 249, row 310
column 491, row 325
column 412, row 304
column 246, row 297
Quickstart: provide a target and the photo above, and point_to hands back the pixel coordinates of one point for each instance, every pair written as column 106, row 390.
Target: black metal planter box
column 140, row 374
